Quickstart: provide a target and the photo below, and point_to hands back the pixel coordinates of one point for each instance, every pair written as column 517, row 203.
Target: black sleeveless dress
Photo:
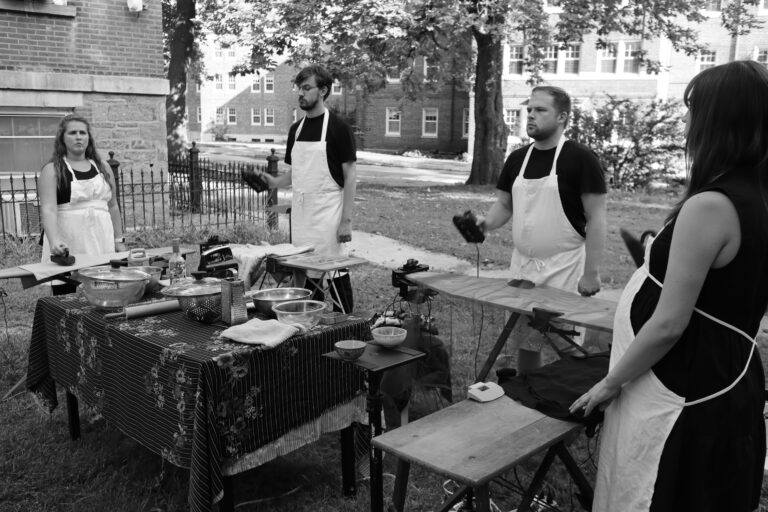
column 711, row 454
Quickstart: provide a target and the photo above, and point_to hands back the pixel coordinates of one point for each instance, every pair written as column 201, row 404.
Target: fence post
column 195, row 181
column 115, row 165
column 272, row 193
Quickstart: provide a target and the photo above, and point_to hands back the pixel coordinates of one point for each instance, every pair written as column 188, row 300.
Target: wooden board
column 577, row 310
column 473, row 442
column 320, row 263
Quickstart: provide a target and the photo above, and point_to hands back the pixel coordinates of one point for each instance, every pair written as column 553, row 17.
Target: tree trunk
column 181, row 41
column 490, row 132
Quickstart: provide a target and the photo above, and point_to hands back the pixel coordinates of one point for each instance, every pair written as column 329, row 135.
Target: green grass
column 41, row 470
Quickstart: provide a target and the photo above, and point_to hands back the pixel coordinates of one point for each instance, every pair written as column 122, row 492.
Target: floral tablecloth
column 174, row 386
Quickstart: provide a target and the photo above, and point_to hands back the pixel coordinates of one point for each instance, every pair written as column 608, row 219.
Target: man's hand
column 481, row 223
column 589, row 284
column 344, row 232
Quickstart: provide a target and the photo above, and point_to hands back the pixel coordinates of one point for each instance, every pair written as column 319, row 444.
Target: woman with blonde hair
column 77, row 193
column 684, row 427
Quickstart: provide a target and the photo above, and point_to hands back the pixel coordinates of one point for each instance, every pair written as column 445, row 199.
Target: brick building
column 95, row 58
column 589, row 74
column 261, row 107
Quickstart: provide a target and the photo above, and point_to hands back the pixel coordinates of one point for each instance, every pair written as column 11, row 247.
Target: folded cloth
column 269, row 333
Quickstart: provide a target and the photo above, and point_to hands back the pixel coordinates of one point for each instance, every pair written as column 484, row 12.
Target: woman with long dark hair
column 77, row 196
column 684, row 427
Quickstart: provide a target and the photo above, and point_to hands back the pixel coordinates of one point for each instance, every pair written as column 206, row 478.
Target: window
column 431, row 70
column 713, row 5
column 553, row 6
column 393, row 73
column 26, row 141
column 516, row 60
column 231, row 52
column 269, row 116
column 269, row 83
column 219, row 115
column 256, row 84
column 218, row 52
column 550, row 59
column 256, row 116
column 512, row 120
column 607, row 58
column 336, row 88
column 393, row 122
column 632, row 57
column 705, row 60
column 429, row 122
column 218, row 80
column 232, row 82
column 231, row 115
column 762, row 56
column 199, row 115
column 572, row 55
column 465, row 123
column 197, row 87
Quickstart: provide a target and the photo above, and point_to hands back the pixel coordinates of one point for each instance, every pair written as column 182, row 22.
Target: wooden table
column 475, row 442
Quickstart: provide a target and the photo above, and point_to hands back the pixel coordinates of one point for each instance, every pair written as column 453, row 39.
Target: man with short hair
column 554, row 191
column 322, row 155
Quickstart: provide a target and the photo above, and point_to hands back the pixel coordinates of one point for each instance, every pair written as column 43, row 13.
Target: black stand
column 374, row 361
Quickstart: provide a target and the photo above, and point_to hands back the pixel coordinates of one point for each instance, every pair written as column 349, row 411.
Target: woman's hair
column 60, row 150
column 727, row 125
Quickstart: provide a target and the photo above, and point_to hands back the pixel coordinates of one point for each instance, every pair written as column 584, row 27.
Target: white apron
column 639, row 421
column 317, row 198
column 84, row 223
column 547, row 249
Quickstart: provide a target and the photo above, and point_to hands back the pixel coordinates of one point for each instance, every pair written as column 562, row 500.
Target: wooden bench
column 472, row 443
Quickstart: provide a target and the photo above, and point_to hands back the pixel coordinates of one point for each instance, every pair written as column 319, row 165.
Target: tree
column 360, row 39
column 638, row 142
column 179, row 28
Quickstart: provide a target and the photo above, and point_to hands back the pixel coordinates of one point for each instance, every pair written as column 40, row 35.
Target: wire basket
column 202, row 308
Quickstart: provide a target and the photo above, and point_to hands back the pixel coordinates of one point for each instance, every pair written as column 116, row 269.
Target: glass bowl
column 349, row 350
column 388, row 336
column 305, row 313
column 265, row 299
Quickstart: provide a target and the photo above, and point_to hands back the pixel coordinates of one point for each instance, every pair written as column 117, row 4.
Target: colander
column 199, row 299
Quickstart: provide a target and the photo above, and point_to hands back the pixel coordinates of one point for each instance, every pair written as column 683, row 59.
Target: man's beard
column 308, row 106
column 540, row 134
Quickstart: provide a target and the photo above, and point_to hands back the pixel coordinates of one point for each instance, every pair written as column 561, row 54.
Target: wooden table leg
column 73, row 416
column 227, row 503
column 482, row 499
column 348, row 476
column 496, row 350
column 538, row 478
column 586, row 493
column 374, row 418
column 401, row 484
column 462, row 493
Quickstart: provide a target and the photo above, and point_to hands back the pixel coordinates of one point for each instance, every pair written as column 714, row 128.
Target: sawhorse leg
column 496, row 350
column 348, row 477
column 73, row 416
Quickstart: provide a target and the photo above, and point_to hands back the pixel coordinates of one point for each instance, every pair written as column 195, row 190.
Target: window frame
column 219, row 118
column 54, row 116
column 425, row 112
column 465, row 123
column 388, row 114
column 336, row 88
column 516, row 56
column 218, row 81
column 268, row 115
column 255, row 114
column 701, row 64
column 231, row 112
column 269, row 84
column 256, row 84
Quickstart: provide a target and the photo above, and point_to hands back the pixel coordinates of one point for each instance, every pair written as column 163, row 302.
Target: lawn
column 41, row 470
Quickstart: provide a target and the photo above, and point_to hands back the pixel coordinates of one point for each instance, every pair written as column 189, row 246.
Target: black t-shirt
column 339, row 142
column 64, row 192
column 578, row 172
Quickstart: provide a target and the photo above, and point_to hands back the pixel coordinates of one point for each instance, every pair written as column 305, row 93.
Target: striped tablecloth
column 174, row 386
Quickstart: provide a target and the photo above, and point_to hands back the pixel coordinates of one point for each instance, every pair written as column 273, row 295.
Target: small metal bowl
column 349, row 350
column 265, row 299
column 303, row 312
column 154, row 276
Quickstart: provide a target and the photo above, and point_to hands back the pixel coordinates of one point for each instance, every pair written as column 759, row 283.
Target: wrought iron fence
column 192, row 192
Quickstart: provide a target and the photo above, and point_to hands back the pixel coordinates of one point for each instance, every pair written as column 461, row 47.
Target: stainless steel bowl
column 112, row 287
column 199, row 299
column 302, row 312
column 154, row 276
column 265, row 299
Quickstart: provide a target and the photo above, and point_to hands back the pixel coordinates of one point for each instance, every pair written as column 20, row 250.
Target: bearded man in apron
column 322, row 155
column 554, row 191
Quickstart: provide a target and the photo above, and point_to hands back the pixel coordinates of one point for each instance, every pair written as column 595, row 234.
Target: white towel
column 269, row 333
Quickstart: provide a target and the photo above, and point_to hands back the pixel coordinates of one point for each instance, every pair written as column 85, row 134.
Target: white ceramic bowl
column 303, row 312
column 350, row 350
column 389, row 336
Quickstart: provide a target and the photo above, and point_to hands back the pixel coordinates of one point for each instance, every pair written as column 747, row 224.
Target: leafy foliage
column 638, row 142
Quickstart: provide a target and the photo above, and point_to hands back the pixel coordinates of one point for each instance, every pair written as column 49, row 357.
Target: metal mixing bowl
column 112, row 287
column 303, row 312
column 265, row 299
column 154, row 276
